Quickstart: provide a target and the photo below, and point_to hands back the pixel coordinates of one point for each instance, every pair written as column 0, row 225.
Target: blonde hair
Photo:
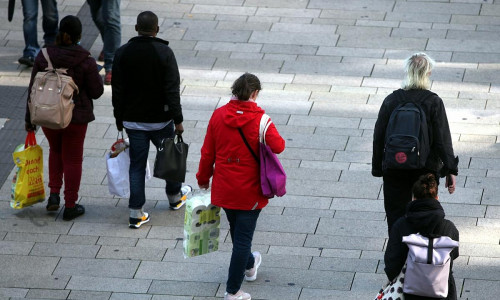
column 418, row 68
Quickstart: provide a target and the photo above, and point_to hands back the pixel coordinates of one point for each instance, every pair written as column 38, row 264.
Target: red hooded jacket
column 224, row 155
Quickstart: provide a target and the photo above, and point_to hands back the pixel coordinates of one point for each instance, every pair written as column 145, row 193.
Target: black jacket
column 441, row 159
column 423, row 216
column 146, row 82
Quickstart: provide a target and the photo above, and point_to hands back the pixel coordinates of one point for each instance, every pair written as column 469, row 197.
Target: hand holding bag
column 394, row 289
column 27, row 184
column 171, row 158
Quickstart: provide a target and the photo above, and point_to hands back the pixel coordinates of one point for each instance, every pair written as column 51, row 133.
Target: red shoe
column 107, row 78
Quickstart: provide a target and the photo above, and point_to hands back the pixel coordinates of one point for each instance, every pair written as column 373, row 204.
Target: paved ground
column 325, row 67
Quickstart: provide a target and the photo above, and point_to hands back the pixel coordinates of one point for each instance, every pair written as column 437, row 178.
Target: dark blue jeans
column 139, row 148
column 49, row 24
column 106, row 16
column 241, row 227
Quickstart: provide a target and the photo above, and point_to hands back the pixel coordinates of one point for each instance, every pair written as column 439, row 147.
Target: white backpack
column 428, row 265
column 51, row 98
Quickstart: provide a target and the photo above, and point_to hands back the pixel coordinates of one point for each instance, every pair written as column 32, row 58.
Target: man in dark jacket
column 441, row 160
column 425, row 215
column 146, row 102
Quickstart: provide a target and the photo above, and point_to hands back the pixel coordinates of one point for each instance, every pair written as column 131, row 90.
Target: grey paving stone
column 181, row 272
column 340, row 242
column 309, row 294
column 287, row 12
column 15, row 248
column 84, row 295
column 156, row 243
column 357, row 215
column 131, row 253
column 109, row 284
column 64, row 250
column 220, row 9
column 322, row 165
column 29, row 281
column 341, row 253
column 13, row 292
column 288, row 260
column 480, row 289
column 294, row 27
column 189, row 288
column 124, row 296
column 263, row 292
column 167, row 297
column 291, row 201
column 314, row 39
column 48, row 294
column 351, row 227
column 204, row 34
column 290, row 224
column 458, row 45
column 97, row 267
column 352, row 156
column 344, row 264
column 300, row 251
column 353, row 6
column 31, row 226
column 12, row 265
column 279, row 238
column 366, row 282
column 478, row 234
column 111, row 230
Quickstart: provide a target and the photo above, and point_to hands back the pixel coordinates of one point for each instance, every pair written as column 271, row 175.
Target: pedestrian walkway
column 325, row 68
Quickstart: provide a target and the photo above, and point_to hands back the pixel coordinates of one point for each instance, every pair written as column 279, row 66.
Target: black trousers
column 398, row 186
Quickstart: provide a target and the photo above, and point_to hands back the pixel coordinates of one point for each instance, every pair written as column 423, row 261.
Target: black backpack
column 406, row 137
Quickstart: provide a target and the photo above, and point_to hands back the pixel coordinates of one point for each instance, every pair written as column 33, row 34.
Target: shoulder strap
column 248, row 146
column 265, row 121
column 47, row 58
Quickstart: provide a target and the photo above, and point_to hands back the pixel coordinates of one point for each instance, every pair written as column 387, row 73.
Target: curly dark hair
column 425, row 187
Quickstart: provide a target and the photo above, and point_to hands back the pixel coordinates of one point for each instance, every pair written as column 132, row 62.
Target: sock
column 136, row 213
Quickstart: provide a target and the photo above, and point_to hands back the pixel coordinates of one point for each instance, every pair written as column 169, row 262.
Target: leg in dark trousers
column 398, row 186
column 241, row 227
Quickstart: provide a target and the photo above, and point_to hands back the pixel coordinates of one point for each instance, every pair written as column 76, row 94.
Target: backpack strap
column 430, row 249
column 47, row 58
column 49, row 62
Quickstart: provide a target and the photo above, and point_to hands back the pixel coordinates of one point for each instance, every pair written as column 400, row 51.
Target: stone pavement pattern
column 326, row 66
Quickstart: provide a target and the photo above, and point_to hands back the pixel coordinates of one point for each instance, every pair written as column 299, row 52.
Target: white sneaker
column 251, row 275
column 240, row 295
column 185, row 191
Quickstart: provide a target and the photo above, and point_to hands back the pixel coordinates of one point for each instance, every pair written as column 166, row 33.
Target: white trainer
column 251, row 275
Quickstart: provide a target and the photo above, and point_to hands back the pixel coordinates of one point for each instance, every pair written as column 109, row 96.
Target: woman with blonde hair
column 440, row 161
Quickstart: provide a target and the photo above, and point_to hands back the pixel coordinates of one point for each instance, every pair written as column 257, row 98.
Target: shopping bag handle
column 30, row 139
column 179, row 139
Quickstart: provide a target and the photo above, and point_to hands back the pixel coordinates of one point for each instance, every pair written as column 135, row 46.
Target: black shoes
column 28, row 61
column 73, row 212
column 53, row 202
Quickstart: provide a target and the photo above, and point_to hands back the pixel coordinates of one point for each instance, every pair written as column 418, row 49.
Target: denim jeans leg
column 112, row 35
column 50, row 21
column 171, row 187
column 139, row 148
column 242, row 225
column 30, row 13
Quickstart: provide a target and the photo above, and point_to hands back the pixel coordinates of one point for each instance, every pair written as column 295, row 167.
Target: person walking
column 106, row 17
column 66, row 145
column 146, row 102
column 424, row 215
column 236, row 175
column 49, row 24
column 441, row 160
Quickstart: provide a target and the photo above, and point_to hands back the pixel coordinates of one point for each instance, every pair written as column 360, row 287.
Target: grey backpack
column 428, row 265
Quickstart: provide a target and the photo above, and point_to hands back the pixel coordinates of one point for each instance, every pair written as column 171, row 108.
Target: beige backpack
column 51, row 99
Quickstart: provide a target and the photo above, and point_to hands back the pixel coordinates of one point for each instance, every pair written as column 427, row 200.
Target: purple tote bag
column 272, row 174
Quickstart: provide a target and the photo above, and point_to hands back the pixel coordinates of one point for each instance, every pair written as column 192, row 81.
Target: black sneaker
column 53, row 202
column 185, row 191
column 73, row 212
column 28, row 61
column 137, row 222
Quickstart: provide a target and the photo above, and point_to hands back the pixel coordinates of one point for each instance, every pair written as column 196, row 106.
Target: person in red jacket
column 236, row 175
column 66, row 145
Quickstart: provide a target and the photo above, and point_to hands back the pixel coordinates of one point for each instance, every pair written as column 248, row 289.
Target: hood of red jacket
column 238, row 113
column 67, row 56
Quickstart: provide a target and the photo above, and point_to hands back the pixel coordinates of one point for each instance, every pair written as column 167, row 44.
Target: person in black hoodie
column 66, row 145
column 146, row 102
column 441, row 160
column 424, row 215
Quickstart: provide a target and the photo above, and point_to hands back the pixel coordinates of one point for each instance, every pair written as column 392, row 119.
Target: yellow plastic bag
column 27, row 184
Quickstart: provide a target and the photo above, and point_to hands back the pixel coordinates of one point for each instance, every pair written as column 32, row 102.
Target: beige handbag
column 51, row 98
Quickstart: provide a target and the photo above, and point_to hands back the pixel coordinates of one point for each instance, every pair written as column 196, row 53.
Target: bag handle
column 248, row 146
column 265, row 122
column 30, row 139
column 57, row 71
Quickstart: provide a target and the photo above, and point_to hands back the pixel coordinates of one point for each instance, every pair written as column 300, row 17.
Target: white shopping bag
column 118, row 173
